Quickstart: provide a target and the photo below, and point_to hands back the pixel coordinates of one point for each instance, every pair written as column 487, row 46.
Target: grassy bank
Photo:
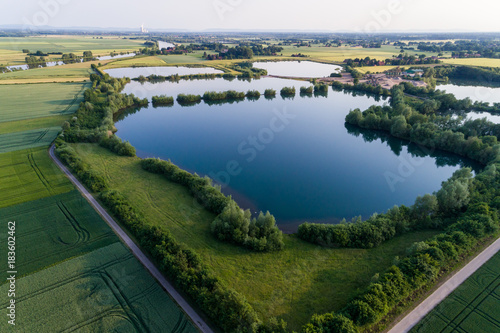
column 291, row 284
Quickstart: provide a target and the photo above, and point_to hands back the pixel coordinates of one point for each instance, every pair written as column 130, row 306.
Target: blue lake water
column 307, row 69
column 293, row 157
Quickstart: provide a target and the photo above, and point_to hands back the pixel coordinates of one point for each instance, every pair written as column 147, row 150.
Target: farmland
column 63, row 226
column 104, row 290
column 293, row 284
column 39, row 100
column 11, row 48
column 472, row 307
column 28, row 139
column 29, row 175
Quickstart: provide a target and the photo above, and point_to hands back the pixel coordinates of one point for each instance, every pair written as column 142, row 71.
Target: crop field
column 28, row 139
column 53, row 229
column 484, row 62
column 30, row 101
column 106, row 290
column 292, row 284
column 29, row 175
column 11, row 47
column 472, row 307
column 31, row 124
column 339, row 54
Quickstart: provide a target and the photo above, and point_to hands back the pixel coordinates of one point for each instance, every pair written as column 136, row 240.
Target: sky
column 313, row 15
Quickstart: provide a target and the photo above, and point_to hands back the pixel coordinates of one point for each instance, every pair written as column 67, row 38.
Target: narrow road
column 411, row 319
column 200, row 324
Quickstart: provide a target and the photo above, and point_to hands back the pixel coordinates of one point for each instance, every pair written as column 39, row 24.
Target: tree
column 399, row 127
column 453, row 195
column 425, row 206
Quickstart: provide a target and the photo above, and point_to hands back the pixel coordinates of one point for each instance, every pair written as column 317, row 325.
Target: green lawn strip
column 53, row 229
column 473, row 306
column 28, row 101
column 292, row 284
column 106, row 290
column 31, row 124
column 28, row 175
column 28, row 139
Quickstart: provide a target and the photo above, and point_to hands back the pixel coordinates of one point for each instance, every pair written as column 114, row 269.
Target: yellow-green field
column 484, row 62
column 11, row 48
column 63, row 73
column 29, row 101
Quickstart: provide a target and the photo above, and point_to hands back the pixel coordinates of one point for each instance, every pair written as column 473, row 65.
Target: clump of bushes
column 184, row 99
column 306, row 90
column 116, row 145
column 253, row 94
column 270, row 93
column 288, row 92
column 162, row 100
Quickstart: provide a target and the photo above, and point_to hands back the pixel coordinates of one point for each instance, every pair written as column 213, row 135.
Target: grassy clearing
column 28, row 139
column 41, row 100
column 484, row 62
column 380, row 69
column 106, row 290
column 291, row 284
column 472, row 307
column 29, row 175
column 152, row 61
column 66, row 73
column 61, row 226
column 31, row 124
column 11, row 48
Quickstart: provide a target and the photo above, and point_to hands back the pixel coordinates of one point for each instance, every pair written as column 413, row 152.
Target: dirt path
column 411, row 319
column 199, row 323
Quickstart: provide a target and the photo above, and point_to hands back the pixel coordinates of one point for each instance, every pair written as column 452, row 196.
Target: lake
column 475, row 93
column 293, row 157
column 163, row 71
column 307, row 69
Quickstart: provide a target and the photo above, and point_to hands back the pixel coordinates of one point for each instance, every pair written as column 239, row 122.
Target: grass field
column 291, row 284
column 11, row 47
column 31, row 124
column 106, row 290
column 30, row 101
column 485, row 62
column 29, row 175
column 472, row 307
column 28, row 139
column 63, row 73
column 53, row 229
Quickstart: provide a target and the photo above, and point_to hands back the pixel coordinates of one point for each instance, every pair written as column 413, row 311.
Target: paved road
column 442, row 292
column 201, row 325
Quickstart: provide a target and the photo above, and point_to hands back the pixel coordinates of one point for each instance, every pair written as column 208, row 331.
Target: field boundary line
column 137, row 252
column 419, row 313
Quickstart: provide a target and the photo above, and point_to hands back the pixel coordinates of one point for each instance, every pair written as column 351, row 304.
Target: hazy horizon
column 259, row 15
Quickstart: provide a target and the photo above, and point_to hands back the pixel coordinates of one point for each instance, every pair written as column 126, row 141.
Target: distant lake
column 164, row 71
column 475, row 93
column 293, row 157
column 307, row 69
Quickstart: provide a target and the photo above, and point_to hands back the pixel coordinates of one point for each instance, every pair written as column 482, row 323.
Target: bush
column 162, row 100
column 288, row 92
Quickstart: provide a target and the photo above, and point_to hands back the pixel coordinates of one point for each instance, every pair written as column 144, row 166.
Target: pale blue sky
column 334, row 15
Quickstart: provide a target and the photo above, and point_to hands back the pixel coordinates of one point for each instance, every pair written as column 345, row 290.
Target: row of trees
column 444, row 133
column 162, row 100
column 229, row 310
column 232, row 224
column 429, row 211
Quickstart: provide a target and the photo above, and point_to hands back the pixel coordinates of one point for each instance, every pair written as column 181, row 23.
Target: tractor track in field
column 199, row 323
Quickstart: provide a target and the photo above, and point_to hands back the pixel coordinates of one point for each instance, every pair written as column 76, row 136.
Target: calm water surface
column 298, row 68
column 293, row 157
